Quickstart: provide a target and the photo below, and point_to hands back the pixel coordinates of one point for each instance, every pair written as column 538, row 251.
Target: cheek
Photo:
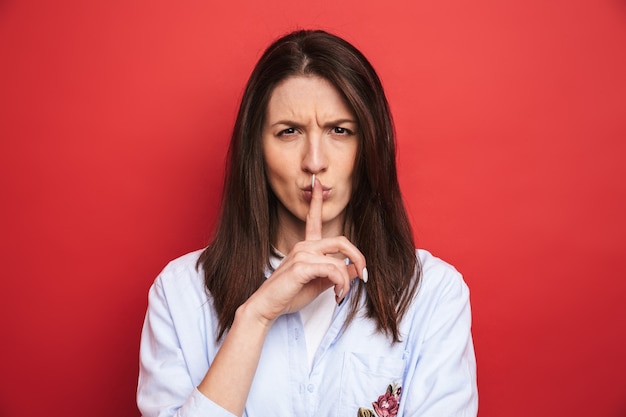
column 348, row 164
column 278, row 174
column 349, row 173
column 269, row 158
column 274, row 157
column 275, row 172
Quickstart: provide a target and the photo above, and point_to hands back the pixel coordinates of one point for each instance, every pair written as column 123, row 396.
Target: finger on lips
column 313, row 231
column 314, row 217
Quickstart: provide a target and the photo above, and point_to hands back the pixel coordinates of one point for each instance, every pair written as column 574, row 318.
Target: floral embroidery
column 386, row 405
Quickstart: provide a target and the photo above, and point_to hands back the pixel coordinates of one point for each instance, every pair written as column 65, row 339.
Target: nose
column 314, row 159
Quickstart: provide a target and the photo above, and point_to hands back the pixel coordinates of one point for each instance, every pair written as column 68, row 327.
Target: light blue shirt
column 433, row 366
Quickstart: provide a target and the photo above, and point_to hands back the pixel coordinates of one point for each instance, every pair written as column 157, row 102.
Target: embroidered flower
column 386, row 405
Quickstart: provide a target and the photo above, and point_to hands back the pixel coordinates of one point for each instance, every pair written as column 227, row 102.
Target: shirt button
column 311, row 387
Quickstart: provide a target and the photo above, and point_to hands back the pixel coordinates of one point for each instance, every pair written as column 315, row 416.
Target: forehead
column 298, row 95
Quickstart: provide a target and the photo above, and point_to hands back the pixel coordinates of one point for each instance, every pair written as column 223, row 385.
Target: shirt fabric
column 432, row 370
column 316, row 318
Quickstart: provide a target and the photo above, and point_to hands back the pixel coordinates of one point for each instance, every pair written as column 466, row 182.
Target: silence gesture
column 312, row 266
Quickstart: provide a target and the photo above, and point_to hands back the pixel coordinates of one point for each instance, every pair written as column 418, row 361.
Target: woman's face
column 309, row 130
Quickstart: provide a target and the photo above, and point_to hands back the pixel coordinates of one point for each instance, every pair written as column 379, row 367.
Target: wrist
column 249, row 312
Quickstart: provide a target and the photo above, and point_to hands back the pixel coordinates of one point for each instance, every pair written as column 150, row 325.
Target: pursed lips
column 308, row 191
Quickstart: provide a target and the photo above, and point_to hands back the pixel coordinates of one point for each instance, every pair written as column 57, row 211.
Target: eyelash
column 338, row 130
column 288, row 131
column 342, row 131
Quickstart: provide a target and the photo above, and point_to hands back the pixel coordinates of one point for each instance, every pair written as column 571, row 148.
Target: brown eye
column 288, row 131
column 342, row 131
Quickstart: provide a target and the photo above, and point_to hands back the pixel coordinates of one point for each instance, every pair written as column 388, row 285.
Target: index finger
column 314, row 217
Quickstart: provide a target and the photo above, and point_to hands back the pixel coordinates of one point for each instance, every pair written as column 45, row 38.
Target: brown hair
column 376, row 219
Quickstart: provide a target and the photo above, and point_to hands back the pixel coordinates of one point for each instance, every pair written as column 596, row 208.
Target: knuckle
column 299, row 257
column 297, row 264
column 327, row 269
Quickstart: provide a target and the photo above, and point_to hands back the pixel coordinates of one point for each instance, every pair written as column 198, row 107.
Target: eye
column 288, row 131
column 338, row 130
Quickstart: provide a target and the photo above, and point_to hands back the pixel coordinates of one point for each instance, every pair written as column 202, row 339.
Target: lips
column 308, row 192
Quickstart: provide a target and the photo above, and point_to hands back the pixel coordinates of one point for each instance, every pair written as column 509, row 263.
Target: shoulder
column 182, row 277
column 438, row 275
column 441, row 288
column 182, row 265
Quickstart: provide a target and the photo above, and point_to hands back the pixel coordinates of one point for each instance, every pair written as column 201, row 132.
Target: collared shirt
column 355, row 371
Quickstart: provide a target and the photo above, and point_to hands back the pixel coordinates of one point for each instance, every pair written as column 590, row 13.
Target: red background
column 114, row 119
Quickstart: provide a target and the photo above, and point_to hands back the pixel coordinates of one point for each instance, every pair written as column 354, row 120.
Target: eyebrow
column 330, row 123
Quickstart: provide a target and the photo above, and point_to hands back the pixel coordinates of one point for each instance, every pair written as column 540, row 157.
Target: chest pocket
column 364, row 378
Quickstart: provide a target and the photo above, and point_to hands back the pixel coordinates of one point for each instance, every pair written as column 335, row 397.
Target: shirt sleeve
column 444, row 378
column 165, row 388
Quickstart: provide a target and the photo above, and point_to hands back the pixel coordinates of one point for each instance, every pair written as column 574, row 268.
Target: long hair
column 234, row 263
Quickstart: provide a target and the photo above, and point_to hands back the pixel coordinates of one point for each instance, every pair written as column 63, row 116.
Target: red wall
column 511, row 120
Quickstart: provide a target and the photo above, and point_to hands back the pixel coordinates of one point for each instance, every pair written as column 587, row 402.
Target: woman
column 311, row 299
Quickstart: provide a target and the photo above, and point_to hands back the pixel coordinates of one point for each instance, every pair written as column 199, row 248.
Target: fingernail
column 364, row 276
column 340, row 293
column 340, row 302
column 313, row 181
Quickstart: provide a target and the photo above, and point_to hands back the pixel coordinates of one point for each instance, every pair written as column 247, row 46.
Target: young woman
column 311, row 300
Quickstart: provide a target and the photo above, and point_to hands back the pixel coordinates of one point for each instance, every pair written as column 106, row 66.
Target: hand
column 309, row 269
